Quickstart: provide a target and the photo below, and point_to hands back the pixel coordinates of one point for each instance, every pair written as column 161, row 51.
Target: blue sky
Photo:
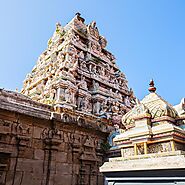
column 146, row 36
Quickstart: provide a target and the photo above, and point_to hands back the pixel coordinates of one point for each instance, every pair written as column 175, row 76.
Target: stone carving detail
column 93, row 30
column 77, row 72
column 52, row 134
column 128, row 152
column 160, row 147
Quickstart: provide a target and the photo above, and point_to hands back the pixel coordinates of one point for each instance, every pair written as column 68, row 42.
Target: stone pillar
column 122, row 153
column 145, row 148
column 58, row 95
column 172, row 145
column 135, row 149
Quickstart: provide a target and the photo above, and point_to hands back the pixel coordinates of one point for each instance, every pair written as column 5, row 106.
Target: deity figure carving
column 48, row 83
column 83, row 66
column 73, row 69
column 60, row 95
column 93, row 70
column 72, row 51
column 51, row 134
column 59, row 28
column 68, row 95
column 103, row 42
column 82, row 84
column 80, row 102
column 89, row 106
column 110, row 92
column 50, row 94
column 95, row 48
column 93, row 30
column 116, row 83
column 115, row 107
column 69, row 35
column 81, row 55
column 85, row 104
column 61, row 56
column 102, row 72
column 127, row 101
column 96, row 107
column 95, row 85
column 73, row 100
column 54, row 40
column 104, row 109
column 122, row 109
column 41, row 86
column 120, row 96
column 76, row 39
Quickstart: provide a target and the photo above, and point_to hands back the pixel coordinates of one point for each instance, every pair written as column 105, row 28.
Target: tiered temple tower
column 76, row 72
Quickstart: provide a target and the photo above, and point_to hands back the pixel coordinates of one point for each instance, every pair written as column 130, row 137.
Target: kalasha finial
column 152, row 88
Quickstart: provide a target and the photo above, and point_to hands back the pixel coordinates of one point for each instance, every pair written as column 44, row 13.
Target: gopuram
column 152, row 144
column 76, row 72
column 55, row 131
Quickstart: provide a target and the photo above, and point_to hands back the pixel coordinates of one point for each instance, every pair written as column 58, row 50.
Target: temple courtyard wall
column 39, row 147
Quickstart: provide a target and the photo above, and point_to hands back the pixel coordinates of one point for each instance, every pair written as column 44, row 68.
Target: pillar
column 135, row 149
column 145, row 148
column 173, row 145
column 122, row 153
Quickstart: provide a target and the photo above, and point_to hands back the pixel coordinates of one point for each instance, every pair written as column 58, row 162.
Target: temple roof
column 158, row 106
column 153, row 105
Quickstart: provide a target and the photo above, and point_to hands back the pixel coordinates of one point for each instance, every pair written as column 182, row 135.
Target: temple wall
column 36, row 151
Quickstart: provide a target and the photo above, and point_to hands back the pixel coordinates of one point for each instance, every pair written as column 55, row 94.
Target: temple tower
column 77, row 72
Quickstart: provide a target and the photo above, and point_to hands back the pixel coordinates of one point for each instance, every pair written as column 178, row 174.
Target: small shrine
column 77, row 72
column 150, row 148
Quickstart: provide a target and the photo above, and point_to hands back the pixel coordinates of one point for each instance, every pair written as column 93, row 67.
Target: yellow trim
column 135, row 149
column 172, row 145
column 122, row 154
column 145, row 148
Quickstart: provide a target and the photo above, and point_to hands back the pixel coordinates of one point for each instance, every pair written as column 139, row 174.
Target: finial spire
column 78, row 15
column 152, row 88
